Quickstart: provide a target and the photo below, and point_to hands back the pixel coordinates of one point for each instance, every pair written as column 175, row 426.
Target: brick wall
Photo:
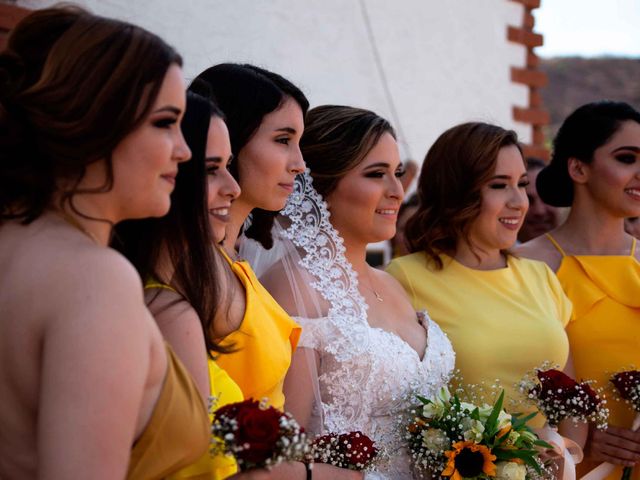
column 534, row 113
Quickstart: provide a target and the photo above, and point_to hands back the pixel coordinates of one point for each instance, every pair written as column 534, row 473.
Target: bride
column 364, row 352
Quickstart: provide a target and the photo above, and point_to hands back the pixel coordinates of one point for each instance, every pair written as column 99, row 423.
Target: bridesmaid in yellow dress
column 595, row 169
column 185, row 289
column 504, row 315
column 90, row 109
column 265, row 116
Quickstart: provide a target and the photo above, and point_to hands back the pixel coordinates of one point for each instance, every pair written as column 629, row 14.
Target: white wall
column 445, row 61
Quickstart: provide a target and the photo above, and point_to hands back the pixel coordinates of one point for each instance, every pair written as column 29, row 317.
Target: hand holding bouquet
column 257, row 436
column 452, row 438
column 627, row 384
column 353, row 450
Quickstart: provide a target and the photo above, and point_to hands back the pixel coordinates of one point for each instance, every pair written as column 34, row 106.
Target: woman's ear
column 578, row 170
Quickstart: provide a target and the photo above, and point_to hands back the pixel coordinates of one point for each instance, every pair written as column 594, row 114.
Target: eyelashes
column 165, row 122
column 626, row 158
column 502, row 186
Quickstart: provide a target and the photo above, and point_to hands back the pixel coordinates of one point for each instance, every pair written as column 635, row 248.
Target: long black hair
column 184, row 233
column 247, row 93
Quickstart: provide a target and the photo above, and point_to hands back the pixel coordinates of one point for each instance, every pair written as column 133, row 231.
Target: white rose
column 510, row 471
column 435, row 439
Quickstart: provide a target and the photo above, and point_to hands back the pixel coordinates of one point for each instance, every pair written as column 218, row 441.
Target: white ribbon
column 564, row 447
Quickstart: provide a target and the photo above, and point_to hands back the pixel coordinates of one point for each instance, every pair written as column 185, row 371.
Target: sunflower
column 468, row 460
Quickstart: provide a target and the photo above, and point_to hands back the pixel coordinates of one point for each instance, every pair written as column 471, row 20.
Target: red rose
column 259, row 430
column 555, row 379
column 358, row 449
column 627, row 384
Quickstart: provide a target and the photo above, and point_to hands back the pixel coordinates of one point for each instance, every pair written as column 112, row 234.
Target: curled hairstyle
column 585, row 130
column 450, row 185
column 72, row 86
column 184, row 233
column 336, row 139
column 247, row 93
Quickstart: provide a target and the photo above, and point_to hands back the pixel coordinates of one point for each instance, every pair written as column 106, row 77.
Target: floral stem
column 626, row 473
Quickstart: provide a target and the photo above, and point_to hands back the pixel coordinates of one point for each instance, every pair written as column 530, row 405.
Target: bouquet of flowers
column 257, row 436
column 353, row 450
column 559, row 396
column 627, row 384
column 453, row 438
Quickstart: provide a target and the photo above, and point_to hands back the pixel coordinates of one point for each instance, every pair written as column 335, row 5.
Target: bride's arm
column 300, row 385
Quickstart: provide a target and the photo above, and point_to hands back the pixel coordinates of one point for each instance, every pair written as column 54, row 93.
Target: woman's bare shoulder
column 540, row 249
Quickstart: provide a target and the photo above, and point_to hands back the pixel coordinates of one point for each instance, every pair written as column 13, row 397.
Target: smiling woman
column 595, row 169
column 472, row 201
column 341, row 379
column 90, row 109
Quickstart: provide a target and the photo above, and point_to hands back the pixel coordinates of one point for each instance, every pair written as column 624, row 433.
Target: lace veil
column 308, row 273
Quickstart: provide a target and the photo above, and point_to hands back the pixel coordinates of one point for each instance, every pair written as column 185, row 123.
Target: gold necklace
column 77, row 225
column 378, row 296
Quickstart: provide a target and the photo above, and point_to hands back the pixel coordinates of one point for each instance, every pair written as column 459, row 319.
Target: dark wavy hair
column 336, row 139
column 585, row 130
column 72, row 86
column 453, row 173
column 247, row 93
column 184, row 233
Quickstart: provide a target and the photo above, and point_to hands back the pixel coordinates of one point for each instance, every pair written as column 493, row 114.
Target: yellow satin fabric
column 224, row 391
column 263, row 345
column 178, row 431
column 604, row 331
column 502, row 323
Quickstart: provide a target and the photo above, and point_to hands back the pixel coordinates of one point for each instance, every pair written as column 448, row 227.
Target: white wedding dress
column 365, row 377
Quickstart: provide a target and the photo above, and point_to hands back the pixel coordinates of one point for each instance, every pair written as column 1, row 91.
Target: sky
column 589, row 28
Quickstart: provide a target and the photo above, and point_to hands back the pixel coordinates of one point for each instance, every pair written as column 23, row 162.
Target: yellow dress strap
column 556, row 244
column 152, row 283
column 633, row 247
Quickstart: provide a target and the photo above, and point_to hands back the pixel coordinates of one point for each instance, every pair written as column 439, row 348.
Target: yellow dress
column 224, row 391
column 604, row 331
column 263, row 345
column 177, row 432
column 502, row 323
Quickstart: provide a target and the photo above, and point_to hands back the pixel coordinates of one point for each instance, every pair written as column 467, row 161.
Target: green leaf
column 492, row 421
column 542, row 443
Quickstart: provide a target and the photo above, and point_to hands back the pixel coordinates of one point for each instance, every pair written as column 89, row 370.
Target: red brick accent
column 534, row 113
column 529, row 4
column 532, row 60
column 524, row 36
column 528, row 76
column 531, row 115
column 536, row 151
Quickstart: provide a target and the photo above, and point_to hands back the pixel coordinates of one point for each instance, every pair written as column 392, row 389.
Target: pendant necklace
column 378, row 296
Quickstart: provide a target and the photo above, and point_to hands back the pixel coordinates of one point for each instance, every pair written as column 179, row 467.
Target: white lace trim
column 324, row 259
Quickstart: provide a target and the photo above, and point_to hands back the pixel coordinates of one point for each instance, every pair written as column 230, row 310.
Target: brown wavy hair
column 72, row 86
column 455, row 169
column 336, row 139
